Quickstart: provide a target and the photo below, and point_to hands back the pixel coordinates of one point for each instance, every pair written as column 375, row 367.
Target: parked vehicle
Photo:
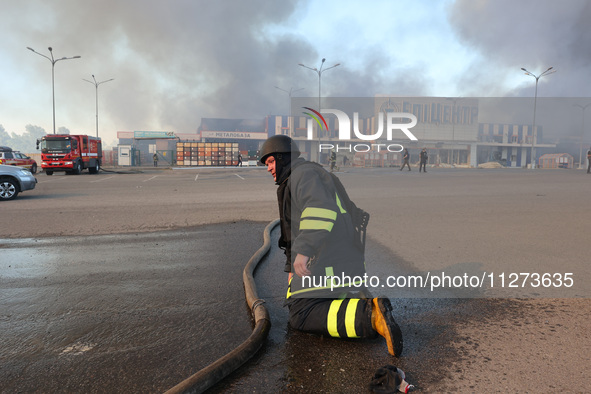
column 70, row 153
column 14, row 158
column 14, row 180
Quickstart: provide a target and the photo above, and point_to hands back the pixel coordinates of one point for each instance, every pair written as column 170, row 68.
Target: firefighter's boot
column 384, row 324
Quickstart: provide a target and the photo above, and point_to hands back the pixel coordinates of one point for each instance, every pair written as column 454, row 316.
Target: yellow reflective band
column 316, row 225
column 342, row 286
column 289, row 287
column 350, row 318
column 331, row 322
column 319, row 213
column 340, row 205
column 329, row 271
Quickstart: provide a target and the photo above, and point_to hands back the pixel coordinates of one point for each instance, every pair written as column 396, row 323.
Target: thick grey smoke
column 536, row 35
column 175, row 62
column 526, row 33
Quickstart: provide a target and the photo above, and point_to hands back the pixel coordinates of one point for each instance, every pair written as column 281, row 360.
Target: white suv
column 14, row 180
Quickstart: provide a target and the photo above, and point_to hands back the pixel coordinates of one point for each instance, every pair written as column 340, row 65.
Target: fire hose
column 218, row 370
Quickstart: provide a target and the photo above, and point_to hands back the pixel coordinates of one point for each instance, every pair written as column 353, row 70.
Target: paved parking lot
column 132, row 201
column 454, row 221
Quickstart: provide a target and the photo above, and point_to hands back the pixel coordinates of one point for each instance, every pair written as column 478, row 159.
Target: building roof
column 244, row 125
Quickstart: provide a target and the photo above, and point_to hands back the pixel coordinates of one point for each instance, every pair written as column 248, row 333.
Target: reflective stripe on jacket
column 314, row 223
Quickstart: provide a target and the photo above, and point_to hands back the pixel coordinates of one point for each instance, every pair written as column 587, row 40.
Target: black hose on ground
column 215, row 372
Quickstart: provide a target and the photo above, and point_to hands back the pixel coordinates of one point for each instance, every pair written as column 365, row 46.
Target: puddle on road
column 129, row 312
column 27, row 263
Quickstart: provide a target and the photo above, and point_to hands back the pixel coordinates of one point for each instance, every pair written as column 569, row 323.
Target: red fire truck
column 70, row 153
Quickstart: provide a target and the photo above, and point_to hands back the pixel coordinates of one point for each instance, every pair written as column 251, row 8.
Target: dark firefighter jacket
column 315, row 223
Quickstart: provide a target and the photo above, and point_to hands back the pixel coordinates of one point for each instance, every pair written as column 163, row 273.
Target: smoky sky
column 175, row 62
column 534, row 35
column 530, row 34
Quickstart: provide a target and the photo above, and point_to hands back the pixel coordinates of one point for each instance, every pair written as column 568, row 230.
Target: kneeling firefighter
column 319, row 233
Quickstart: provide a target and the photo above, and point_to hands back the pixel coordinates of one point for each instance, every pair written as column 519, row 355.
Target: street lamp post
column 534, row 133
column 582, row 133
column 53, row 61
column 96, row 85
column 319, row 71
column 290, row 92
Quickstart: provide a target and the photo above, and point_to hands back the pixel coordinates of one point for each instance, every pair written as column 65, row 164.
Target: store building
column 248, row 133
column 448, row 127
column 510, row 144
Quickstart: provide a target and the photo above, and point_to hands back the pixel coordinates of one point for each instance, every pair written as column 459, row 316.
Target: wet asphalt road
column 133, row 282
column 141, row 312
column 125, row 313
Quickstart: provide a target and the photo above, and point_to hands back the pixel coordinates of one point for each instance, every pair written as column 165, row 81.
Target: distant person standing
column 423, row 162
column 333, row 160
column 155, row 160
column 406, row 158
column 589, row 161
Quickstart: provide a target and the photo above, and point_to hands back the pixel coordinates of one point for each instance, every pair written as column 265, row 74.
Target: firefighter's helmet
column 279, row 144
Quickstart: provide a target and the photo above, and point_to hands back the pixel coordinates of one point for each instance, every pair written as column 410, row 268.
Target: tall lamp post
column 582, row 133
column 534, row 133
column 53, row 61
column 319, row 71
column 96, row 85
column 290, row 92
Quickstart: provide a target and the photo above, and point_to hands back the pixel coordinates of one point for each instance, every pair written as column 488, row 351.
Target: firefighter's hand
column 301, row 265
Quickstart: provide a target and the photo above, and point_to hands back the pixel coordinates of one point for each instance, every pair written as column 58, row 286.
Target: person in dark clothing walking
column 406, row 158
column 239, row 160
column 589, row 161
column 333, row 160
column 318, row 237
column 423, row 160
column 155, row 157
